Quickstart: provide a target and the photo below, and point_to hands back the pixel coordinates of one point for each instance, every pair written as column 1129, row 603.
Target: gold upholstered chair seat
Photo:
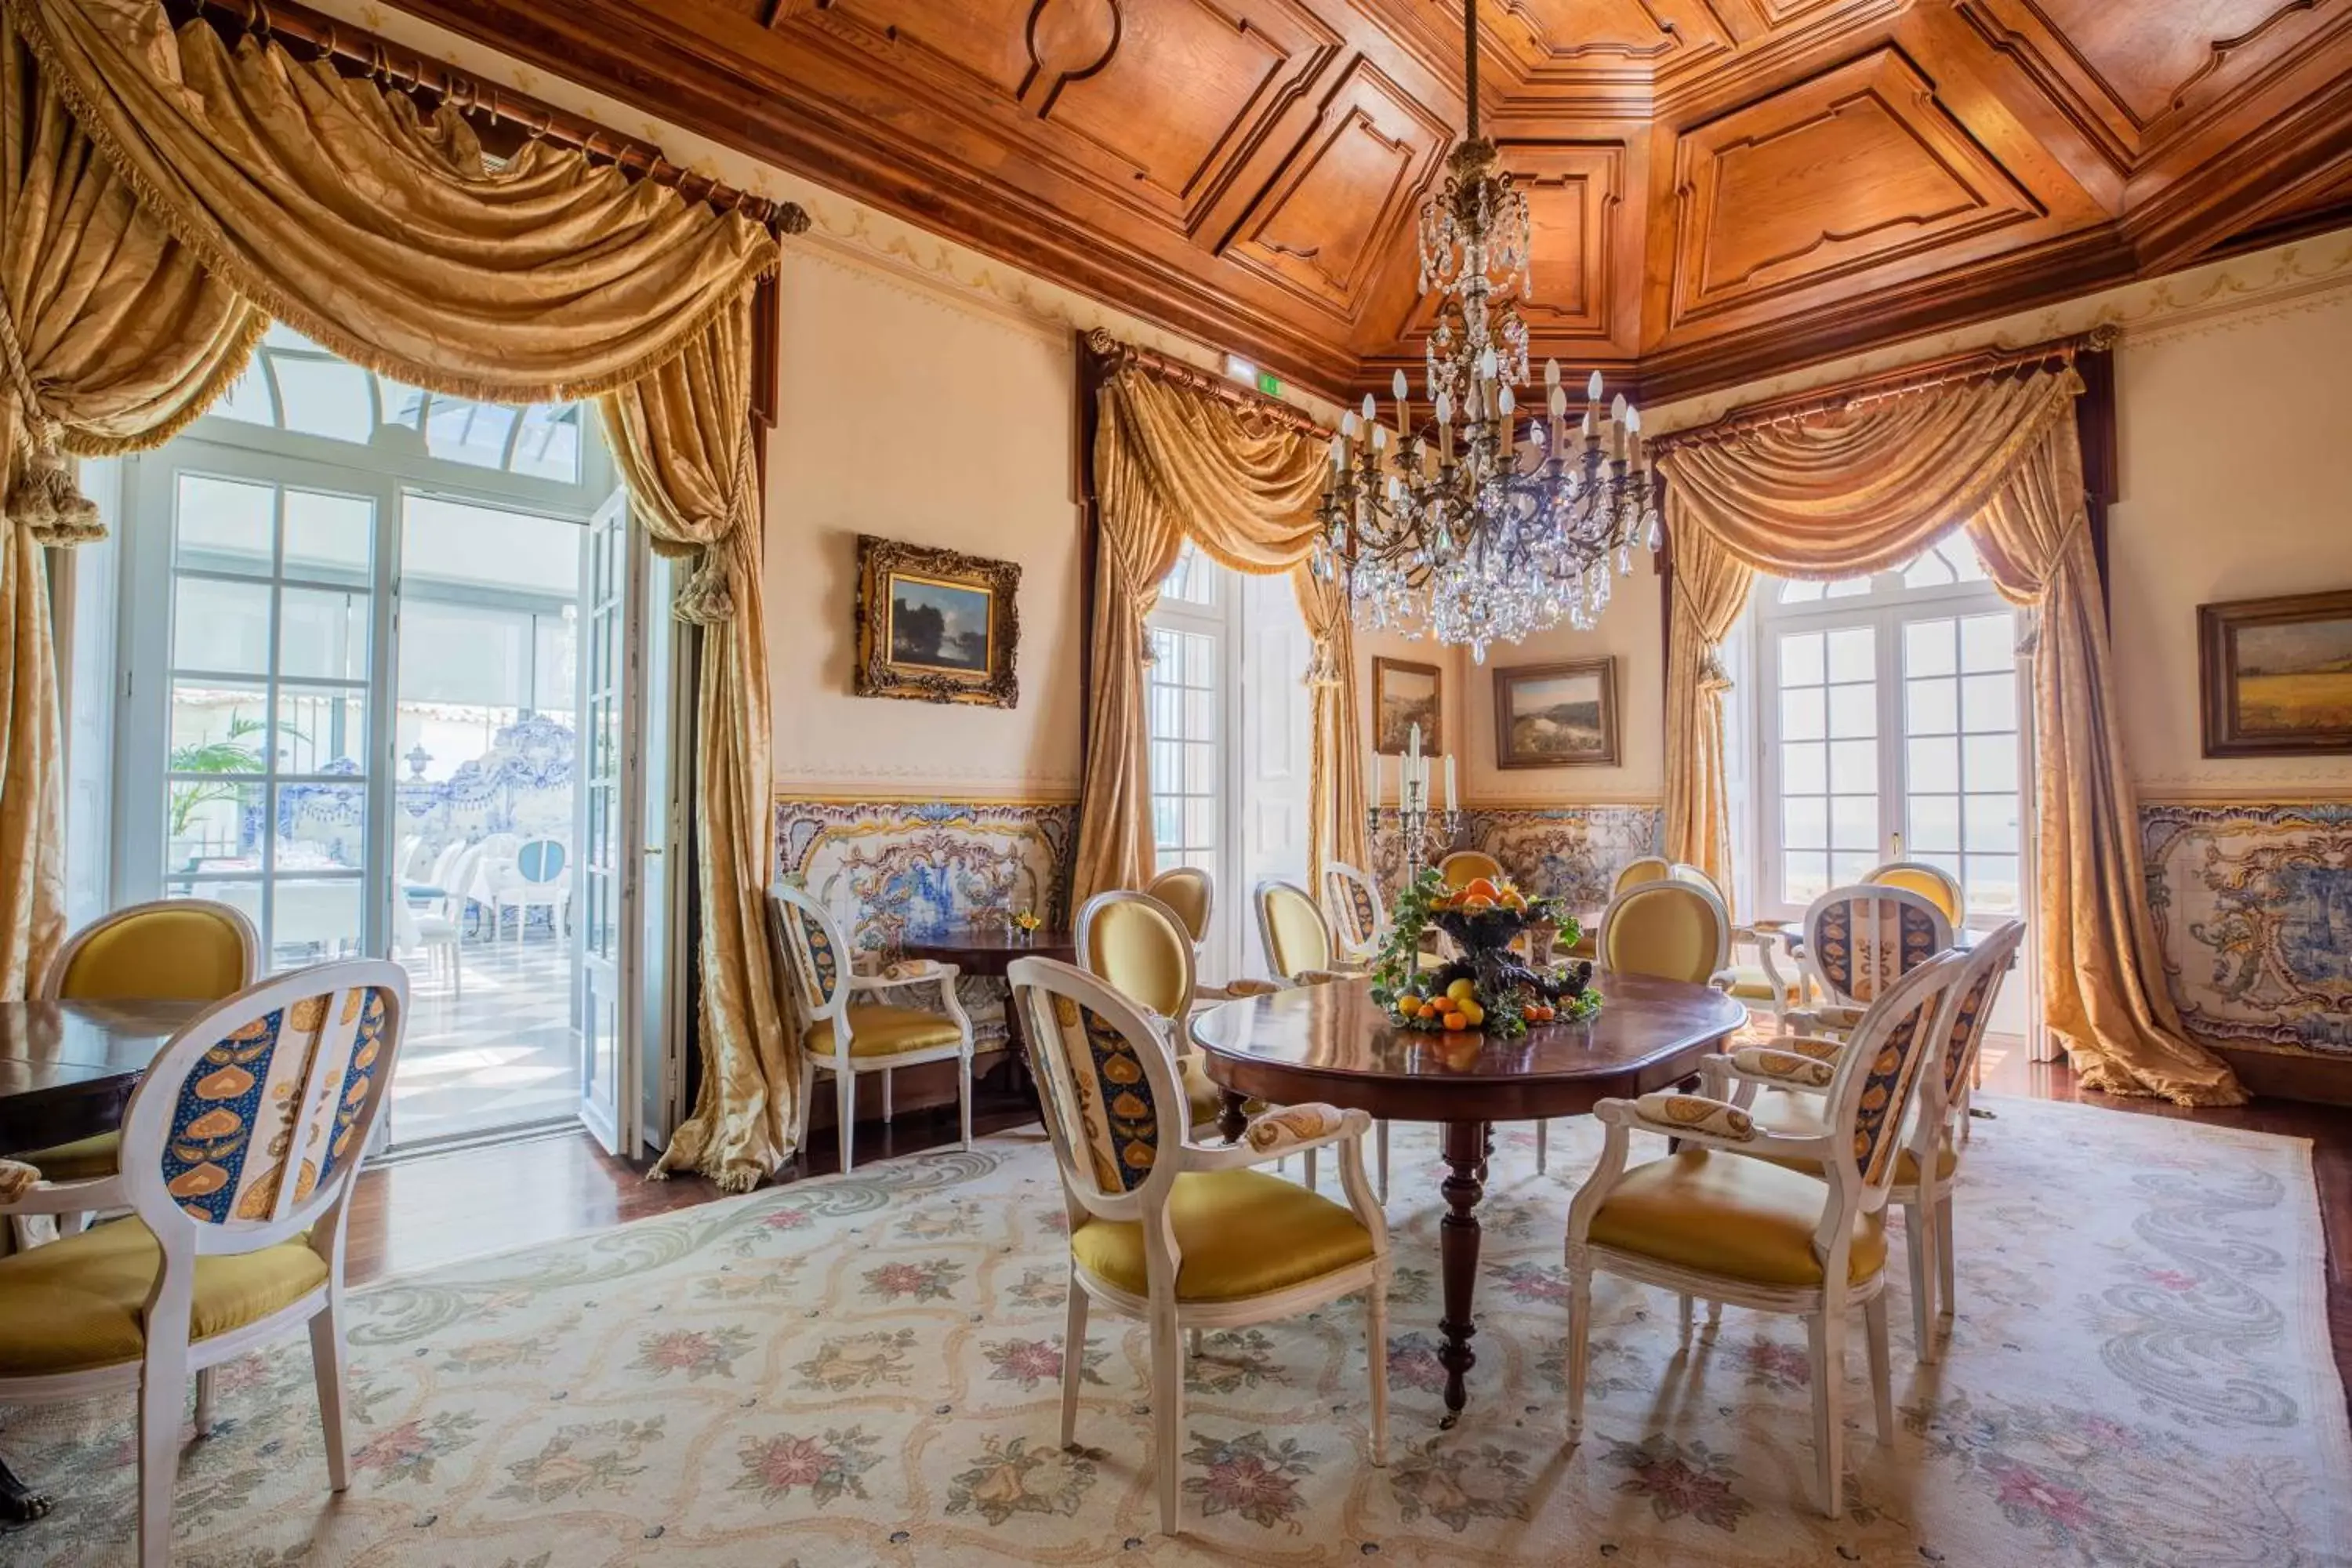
column 884, row 1029
column 82, row 1159
column 1798, row 1114
column 1240, row 1233
column 1729, row 1216
column 1750, row 982
column 77, row 1302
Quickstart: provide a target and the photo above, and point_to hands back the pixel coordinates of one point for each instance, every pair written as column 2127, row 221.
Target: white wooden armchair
column 1782, row 1084
column 1184, row 1235
column 1302, row 949
column 239, row 1149
column 1720, row 1220
column 1858, row 940
column 846, row 1035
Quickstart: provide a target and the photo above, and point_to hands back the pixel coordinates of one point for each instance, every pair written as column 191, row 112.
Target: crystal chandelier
column 1495, row 528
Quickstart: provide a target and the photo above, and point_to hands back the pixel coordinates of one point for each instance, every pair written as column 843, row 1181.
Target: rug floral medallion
column 867, row 1370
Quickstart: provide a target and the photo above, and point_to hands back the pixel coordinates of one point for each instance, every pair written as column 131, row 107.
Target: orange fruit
column 1477, row 904
column 1473, row 1015
column 1478, row 888
column 1456, row 1023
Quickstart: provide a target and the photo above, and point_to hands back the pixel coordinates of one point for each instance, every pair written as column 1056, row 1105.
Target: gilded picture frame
column 2276, row 675
column 936, row 625
column 1557, row 715
column 1404, row 694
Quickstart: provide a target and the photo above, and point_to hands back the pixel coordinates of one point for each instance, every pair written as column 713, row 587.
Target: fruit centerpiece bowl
column 1490, row 985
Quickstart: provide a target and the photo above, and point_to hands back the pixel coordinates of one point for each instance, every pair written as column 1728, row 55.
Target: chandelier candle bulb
column 1451, row 803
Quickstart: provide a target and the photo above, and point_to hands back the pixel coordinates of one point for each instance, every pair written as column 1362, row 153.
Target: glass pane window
column 1962, row 802
column 1828, row 694
column 1180, row 714
column 1192, row 580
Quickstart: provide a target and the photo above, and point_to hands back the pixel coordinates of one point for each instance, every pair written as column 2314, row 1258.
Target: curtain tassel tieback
column 41, row 495
column 1712, row 676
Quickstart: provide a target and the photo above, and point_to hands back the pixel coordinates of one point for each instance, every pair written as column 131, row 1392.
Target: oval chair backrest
column 540, row 861
column 255, row 1117
column 1464, row 867
column 1931, row 882
column 1291, row 930
column 816, row 952
column 445, row 864
column 1138, row 946
column 1880, row 1071
column 1674, row 929
column 1683, row 871
column 1354, row 905
column 1859, row 940
column 1634, row 873
column 181, row 949
column 1192, row 893
column 1102, row 1079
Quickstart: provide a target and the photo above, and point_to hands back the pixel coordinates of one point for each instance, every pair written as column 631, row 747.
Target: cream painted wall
column 904, row 415
column 2236, row 483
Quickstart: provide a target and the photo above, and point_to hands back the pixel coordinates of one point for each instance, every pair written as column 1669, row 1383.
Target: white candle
column 1451, row 804
column 1372, row 777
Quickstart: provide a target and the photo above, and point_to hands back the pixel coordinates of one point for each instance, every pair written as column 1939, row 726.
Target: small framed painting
column 1557, row 715
column 935, row 625
column 1405, row 695
column 2277, row 675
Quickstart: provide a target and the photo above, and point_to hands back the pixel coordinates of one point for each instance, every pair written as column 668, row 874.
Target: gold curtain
column 112, row 337
column 1866, row 488
column 241, row 184
column 1172, row 464
column 1336, row 813
column 684, row 440
column 2101, row 991
column 1710, row 590
column 383, row 232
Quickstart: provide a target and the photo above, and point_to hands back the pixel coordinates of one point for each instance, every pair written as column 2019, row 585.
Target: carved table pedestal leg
column 1458, row 1251
column 1232, row 1120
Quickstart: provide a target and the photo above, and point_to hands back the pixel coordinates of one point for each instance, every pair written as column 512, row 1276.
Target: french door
column 611, row 828
column 1891, row 728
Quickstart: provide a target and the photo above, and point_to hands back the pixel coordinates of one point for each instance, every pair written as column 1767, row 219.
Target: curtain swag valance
column 1845, row 490
column 166, row 193
column 1177, row 457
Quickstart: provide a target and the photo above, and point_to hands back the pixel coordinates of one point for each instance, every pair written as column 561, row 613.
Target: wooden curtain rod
column 1114, row 355
column 357, row 52
column 1979, row 365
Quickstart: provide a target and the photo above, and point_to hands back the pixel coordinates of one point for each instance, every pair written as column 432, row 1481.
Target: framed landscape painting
column 935, row 625
column 1405, row 695
column 2277, row 675
column 1557, row 715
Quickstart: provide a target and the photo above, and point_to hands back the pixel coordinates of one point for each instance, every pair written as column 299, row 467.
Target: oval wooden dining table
column 1334, row 1043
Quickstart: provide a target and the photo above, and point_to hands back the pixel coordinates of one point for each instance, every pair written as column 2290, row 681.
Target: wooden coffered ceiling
column 1721, row 189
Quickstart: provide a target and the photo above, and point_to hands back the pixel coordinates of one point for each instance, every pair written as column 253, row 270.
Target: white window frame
column 1885, row 605
column 1217, row 617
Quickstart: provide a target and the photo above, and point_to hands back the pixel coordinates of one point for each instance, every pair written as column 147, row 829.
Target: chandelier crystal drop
column 1507, row 520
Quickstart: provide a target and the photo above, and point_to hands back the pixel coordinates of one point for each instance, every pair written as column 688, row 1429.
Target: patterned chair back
column 1881, row 1069
column 1859, row 940
column 1103, row 1081
column 1354, row 905
column 1464, row 867
column 1931, row 882
column 1139, row 946
column 1674, row 929
column 1292, row 931
column 1985, row 967
column 1192, row 893
column 184, row 950
column 1634, row 873
column 254, row 1118
column 816, row 954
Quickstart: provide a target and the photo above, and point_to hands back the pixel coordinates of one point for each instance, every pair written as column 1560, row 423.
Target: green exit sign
column 1270, row 384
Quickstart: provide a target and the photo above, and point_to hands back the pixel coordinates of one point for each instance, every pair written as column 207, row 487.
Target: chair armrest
column 1700, row 1122
column 1765, row 1064
column 910, row 971
column 1327, row 976
column 60, row 1198
column 1234, row 990
column 17, row 1179
column 1817, row 1022
column 1272, row 1134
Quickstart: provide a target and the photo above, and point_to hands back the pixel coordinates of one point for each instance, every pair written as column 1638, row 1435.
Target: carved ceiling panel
column 1721, row 189
column 1856, row 167
column 1324, row 227
column 2132, row 79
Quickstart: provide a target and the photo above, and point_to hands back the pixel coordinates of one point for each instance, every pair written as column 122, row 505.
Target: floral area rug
column 866, row 1371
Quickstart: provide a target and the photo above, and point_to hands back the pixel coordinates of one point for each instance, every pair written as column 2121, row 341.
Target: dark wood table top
column 987, row 949
column 1334, row 1043
column 66, row 1067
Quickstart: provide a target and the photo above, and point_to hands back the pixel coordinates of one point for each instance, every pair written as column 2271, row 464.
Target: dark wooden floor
column 419, row 1213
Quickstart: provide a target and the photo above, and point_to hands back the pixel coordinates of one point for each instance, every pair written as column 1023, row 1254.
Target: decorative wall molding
column 2253, row 907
